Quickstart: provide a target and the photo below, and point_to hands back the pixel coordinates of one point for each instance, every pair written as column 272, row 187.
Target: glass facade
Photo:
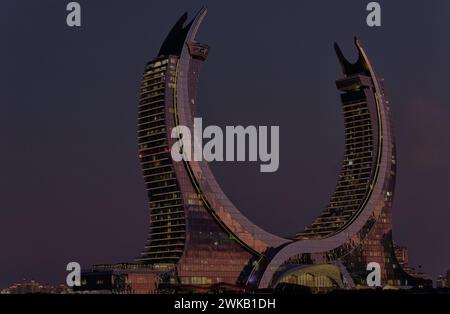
column 356, row 227
column 184, row 230
column 167, row 219
column 360, row 158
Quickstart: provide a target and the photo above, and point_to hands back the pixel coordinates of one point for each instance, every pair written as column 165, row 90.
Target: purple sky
column 71, row 187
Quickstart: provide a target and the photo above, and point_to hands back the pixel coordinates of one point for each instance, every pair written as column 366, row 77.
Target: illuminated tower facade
column 193, row 225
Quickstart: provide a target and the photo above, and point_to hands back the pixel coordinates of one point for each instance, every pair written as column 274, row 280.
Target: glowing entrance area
column 316, row 277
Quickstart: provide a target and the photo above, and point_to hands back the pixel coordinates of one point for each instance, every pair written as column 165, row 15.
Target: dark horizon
column 72, row 183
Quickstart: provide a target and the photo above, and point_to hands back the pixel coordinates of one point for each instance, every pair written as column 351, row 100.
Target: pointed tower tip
column 358, row 43
column 349, row 68
column 203, row 10
column 183, row 17
column 342, row 60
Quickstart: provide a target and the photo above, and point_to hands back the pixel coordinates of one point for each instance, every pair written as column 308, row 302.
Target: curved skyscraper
column 198, row 233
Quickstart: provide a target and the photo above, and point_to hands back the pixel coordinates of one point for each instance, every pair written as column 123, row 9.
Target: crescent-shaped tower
column 197, row 231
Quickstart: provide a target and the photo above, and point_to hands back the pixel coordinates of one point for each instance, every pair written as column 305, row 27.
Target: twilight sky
column 71, row 187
